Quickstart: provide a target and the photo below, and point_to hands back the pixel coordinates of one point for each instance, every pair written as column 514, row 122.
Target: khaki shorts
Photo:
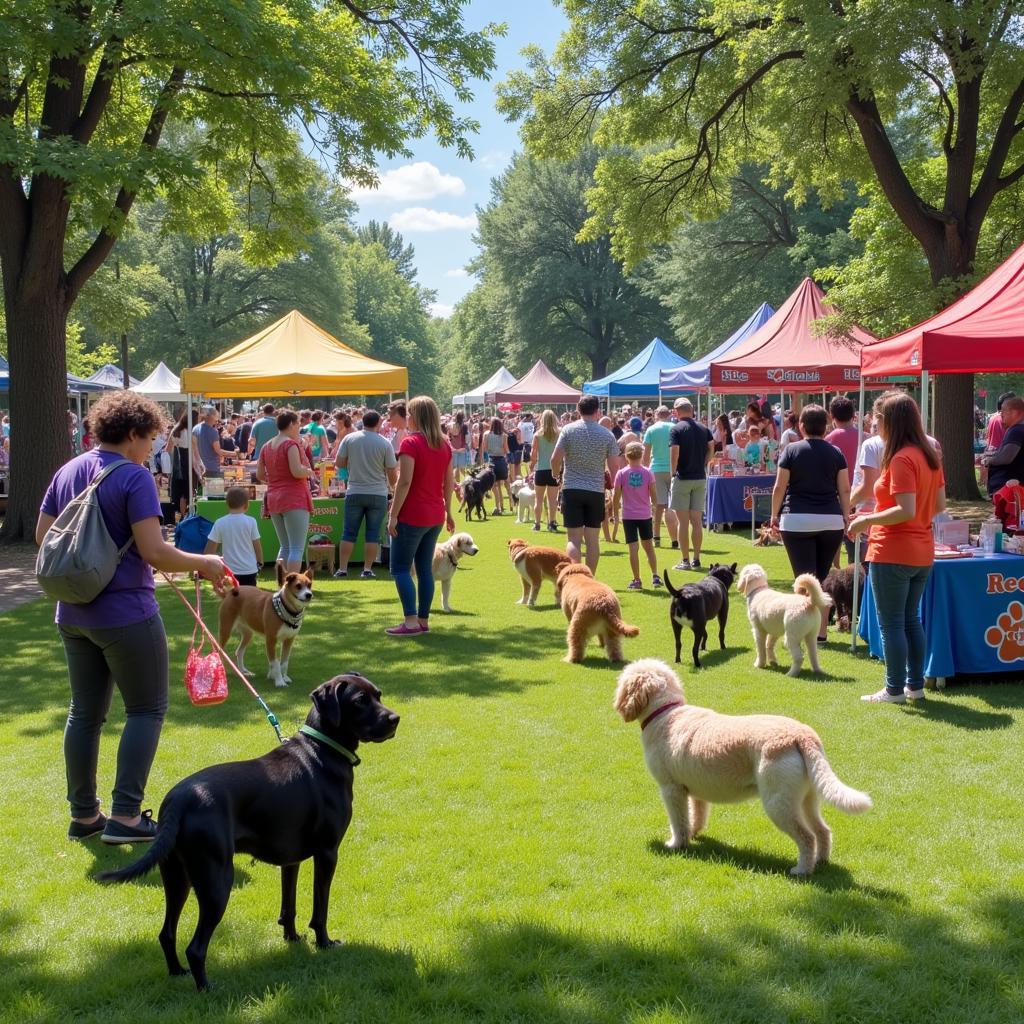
column 662, row 483
column 688, row 495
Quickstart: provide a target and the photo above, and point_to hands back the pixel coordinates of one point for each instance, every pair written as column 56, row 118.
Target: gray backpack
column 78, row 557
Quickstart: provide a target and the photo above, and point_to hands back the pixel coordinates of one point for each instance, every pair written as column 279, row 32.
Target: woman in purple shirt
column 118, row 638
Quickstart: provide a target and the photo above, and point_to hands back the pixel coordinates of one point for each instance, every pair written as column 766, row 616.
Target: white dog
column 699, row 757
column 523, row 495
column 446, row 561
column 795, row 616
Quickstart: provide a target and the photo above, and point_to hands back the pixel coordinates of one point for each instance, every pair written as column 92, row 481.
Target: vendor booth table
column 973, row 615
column 733, row 499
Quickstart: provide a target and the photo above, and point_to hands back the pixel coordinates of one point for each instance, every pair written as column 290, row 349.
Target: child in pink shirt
column 635, row 491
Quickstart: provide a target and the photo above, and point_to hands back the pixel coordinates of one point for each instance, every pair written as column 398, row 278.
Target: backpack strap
column 94, row 485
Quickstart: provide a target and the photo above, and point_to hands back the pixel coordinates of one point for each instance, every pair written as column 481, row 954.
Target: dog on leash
column 699, row 757
column 592, row 609
column 277, row 615
column 796, row 616
column 290, row 805
column 523, row 497
column 474, row 489
column 839, row 586
column 446, row 561
column 534, row 565
column 697, row 604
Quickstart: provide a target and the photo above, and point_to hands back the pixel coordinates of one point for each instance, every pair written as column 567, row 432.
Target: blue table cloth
column 729, row 498
column 973, row 615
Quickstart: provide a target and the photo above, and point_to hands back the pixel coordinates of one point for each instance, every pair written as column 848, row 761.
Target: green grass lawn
column 505, row 862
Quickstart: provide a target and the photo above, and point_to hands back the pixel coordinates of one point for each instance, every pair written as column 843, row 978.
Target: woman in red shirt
column 422, row 505
column 283, row 467
column 901, row 549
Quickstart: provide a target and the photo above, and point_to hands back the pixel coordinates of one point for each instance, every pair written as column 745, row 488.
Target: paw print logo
column 748, row 502
column 1007, row 636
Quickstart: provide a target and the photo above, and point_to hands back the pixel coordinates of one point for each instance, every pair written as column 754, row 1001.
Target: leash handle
column 200, row 624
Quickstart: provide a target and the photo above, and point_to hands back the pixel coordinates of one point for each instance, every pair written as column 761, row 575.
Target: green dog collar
column 317, row 735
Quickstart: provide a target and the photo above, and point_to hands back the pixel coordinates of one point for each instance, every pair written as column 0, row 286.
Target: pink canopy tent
column 786, row 354
column 537, row 386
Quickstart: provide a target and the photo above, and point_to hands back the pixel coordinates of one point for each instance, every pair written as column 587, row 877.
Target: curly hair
column 120, row 414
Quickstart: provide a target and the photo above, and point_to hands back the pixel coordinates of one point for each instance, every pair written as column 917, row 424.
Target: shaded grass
column 505, row 859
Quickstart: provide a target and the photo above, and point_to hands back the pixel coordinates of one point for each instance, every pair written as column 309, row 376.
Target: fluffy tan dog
column 592, row 609
column 699, row 757
column 535, row 564
column 795, row 616
column 446, row 561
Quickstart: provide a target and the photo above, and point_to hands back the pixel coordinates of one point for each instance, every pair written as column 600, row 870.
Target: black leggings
column 812, row 552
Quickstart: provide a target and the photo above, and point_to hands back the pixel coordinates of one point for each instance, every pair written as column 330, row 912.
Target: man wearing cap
column 691, row 447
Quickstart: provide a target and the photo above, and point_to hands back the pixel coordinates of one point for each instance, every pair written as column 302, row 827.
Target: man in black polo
column 691, row 447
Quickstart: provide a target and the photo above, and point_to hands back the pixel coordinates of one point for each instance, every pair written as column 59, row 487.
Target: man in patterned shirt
column 585, row 448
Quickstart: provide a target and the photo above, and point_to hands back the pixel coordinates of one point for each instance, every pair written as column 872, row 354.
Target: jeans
column 133, row 658
column 371, row 507
column 897, row 590
column 414, row 545
column 291, row 528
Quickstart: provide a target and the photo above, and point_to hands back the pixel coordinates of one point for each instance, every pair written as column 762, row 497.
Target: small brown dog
column 278, row 616
column 535, row 564
column 592, row 609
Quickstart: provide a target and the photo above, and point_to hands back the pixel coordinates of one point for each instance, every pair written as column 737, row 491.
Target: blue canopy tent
column 76, row 385
column 696, row 376
column 639, row 377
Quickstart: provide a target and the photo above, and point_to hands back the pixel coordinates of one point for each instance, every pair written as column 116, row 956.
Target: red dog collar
column 660, row 711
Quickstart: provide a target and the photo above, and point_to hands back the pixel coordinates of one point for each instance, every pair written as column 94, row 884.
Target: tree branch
column 99, row 93
column 989, row 182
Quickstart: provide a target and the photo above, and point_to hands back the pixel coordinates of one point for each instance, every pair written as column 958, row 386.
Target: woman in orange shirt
column 901, row 549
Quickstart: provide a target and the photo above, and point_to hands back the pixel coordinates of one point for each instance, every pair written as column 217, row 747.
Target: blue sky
column 431, row 198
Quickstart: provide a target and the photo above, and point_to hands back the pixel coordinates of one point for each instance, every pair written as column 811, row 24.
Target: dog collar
column 660, row 711
column 308, row 730
column 751, row 593
column 454, row 561
column 289, row 618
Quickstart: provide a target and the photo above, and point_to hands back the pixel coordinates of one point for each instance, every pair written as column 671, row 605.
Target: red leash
column 195, row 612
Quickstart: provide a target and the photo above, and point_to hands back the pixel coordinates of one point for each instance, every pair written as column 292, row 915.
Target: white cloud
column 457, row 272
column 494, row 159
column 441, row 309
column 409, row 183
column 419, row 218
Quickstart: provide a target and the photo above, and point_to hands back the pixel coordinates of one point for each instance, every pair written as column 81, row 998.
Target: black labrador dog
column 283, row 808
column 475, row 489
column 698, row 603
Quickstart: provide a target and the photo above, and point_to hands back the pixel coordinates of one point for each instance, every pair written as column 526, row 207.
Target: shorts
column 247, row 579
column 544, row 478
column 500, row 467
column 460, row 458
column 515, row 456
column 372, row 508
column 688, row 495
column 638, row 529
column 582, row 508
column 662, row 486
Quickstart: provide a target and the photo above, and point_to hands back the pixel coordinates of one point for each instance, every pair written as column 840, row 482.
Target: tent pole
column 191, row 497
column 924, row 398
column 856, row 544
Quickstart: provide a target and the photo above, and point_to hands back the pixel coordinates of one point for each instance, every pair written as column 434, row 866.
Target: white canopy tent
column 496, row 382
column 161, row 385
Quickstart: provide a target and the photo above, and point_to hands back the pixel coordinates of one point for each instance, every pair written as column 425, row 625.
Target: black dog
column 283, row 808
column 839, row 586
column 475, row 489
column 698, row 603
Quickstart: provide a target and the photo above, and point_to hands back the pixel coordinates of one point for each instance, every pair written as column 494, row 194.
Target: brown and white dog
column 535, row 564
column 277, row 615
column 592, row 608
column 699, row 757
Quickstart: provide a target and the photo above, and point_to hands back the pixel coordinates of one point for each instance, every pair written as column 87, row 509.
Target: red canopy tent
column 538, row 385
column 785, row 354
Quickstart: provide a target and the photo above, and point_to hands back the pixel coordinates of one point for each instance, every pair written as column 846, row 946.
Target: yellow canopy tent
column 293, row 357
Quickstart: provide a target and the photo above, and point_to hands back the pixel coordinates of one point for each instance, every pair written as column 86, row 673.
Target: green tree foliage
column 822, row 92
column 571, row 302
column 402, row 255
column 90, row 95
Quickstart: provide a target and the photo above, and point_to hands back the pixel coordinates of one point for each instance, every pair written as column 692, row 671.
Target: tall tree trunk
column 40, row 443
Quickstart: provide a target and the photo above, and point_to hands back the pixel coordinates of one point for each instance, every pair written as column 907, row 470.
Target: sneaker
column 495, row 512
column 403, row 630
column 341, row 574
column 682, row 565
column 424, row 627
column 913, row 695
column 78, row 831
column 367, row 574
column 695, row 564
column 657, row 542
column 536, row 527
column 656, row 580
column 117, row 834
column 635, row 585
column 885, row 697
column 553, row 527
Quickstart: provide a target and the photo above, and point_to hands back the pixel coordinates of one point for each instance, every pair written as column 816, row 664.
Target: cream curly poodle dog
column 699, row 757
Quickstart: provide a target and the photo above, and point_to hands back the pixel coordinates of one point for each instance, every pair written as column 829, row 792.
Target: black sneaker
column 116, row 834
column 536, row 527
column 76, row 830
column 675, row 544
column 695, row 564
